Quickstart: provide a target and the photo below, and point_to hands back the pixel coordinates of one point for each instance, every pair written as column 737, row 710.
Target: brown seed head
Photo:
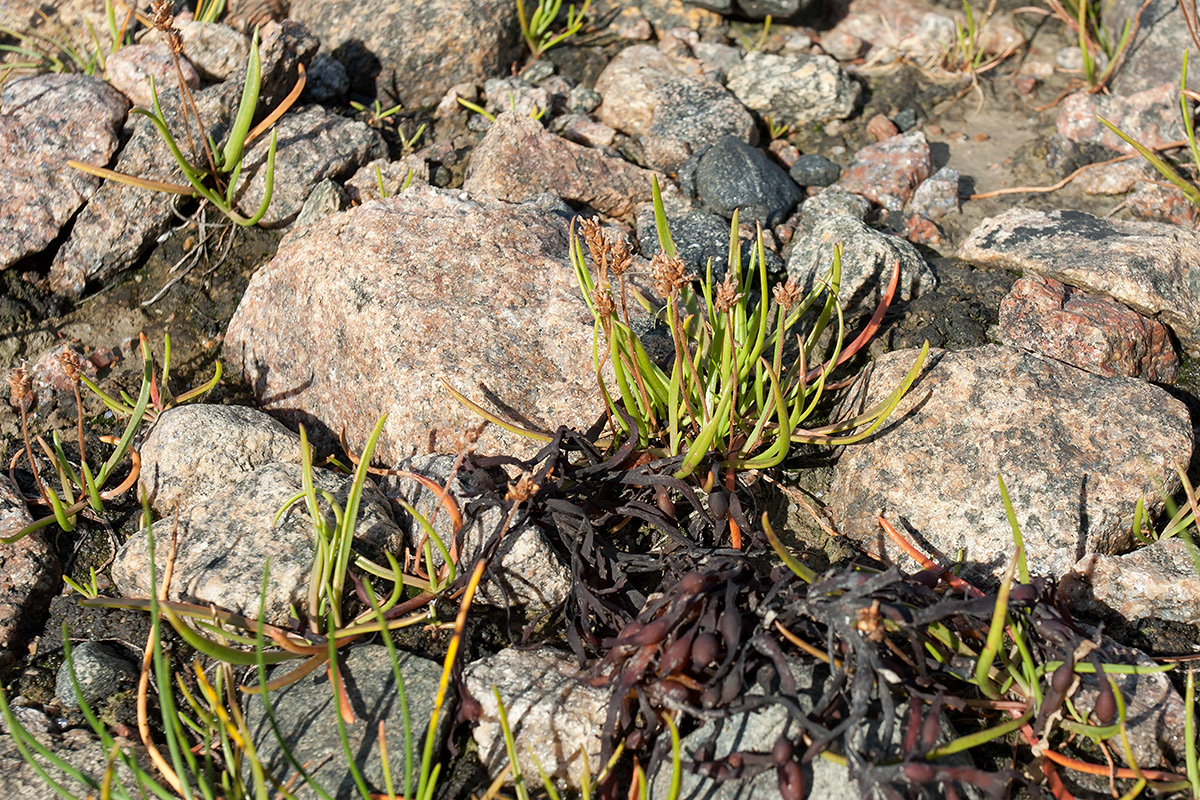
column 787, row 294
column 870, row 622
column 668, row 274
column 597, row 246
column 466, row 441
column 727, row 294
column 71, row 363
column 602, row 299
column 160, row 10
column 20, row 389
column 522, row 490
column 621, row 257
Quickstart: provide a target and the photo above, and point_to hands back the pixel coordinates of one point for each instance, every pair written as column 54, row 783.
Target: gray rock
column 583, row 100
column 831, row 201
column 794, row 89
column 405, row 303
column 122, row 221
column 29, row 576
column 77, row 747
column 306, row 713
column 326, row 199
column 225, row 542
column 525, row 570
column 779, row 9
column 698, row 236
column 1157, row 581
column 1155, row 55
column 216, row 51
column 889, row 172
column 411, row 51
column 553, row 714
column 719, row 6
column 519, row 159
column 1145, row 265
column 131, row 69
column 717, row 59
column 1089, row 331
column 100, row 672
column 672, row 113
column 814, row 169
column 1075, row 450
column 937, row 195
column 46, row 120
column 284, row 47
column 312, row 144
column 327, row 79
column 868, row 258
column 732, row 175
column 196, row 451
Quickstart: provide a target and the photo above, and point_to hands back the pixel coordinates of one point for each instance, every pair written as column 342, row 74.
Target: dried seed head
column 597, row 246
column 466, row 441
column 174, row 40
column 160, row 10
column 621, row 257
column 727, row 294
column 20, row 389
column 602, row 299
column 668, row 274
column 522, row 490
column 787, row 294
column 71, row 363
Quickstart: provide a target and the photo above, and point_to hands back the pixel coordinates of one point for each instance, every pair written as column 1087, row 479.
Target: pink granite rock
column 519, row 159
column 46, row 120
column 1089, row 331
column 887, row 173
column 368, row 312
column 1157, row 202
column 1151, row 117
column 29, row 576
column 1158, row 581
column 1075, row 450
column 131, row 68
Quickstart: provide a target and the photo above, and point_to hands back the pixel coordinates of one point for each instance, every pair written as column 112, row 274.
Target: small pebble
column 813, row 169
column 906, row 120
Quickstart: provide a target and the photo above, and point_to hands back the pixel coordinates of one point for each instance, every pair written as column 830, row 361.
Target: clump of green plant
column 211, row 172
column 83, row 489
column 742, row 384
column 537, row 30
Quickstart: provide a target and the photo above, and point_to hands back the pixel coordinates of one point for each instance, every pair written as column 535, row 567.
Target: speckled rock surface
column 519, row 159
column 99, row 671
column 216, row 51
column 224, row 542
column 732, row 175
column 1154, row 202
column 671, row 112
column 1075, row 450
column 1147, row 266
column 130, row 69
column 794, row 89
column 77, row 747
column 1151, row 116
column 525, row 570
column 29, row 576
column 413, row 51
column 889, row 172
column 552, row 712
column 868, row 258
column 1155, row 53
column 122, row 221
column 1089, row 331
column 937, row 195
column 312, row 144
column 306, row 713
column 196, row 451
column 389, row 298
column 46, row 120
column 1157, row 581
